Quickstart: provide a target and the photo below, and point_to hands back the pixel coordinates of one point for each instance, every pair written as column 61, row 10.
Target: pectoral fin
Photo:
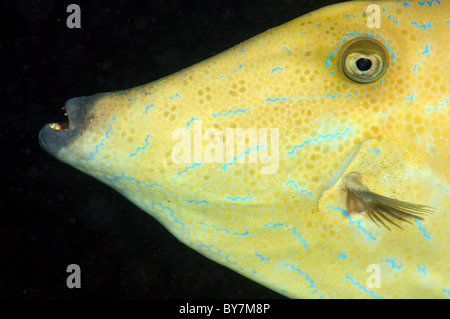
column 369, row 179
column 379, row 208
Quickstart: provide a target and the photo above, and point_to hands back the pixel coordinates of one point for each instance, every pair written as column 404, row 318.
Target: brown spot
column 233, row 93
column 375, row 129
column 417, row 119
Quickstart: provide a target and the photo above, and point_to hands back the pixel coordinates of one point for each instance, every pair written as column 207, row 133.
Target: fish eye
column 363, row 60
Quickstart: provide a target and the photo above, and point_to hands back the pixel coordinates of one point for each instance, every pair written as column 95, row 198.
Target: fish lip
column 52, row 139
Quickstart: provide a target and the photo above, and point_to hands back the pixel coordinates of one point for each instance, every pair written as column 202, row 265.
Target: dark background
column 51, row 215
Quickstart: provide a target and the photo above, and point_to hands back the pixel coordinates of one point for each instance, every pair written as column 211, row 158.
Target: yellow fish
column 313, row 158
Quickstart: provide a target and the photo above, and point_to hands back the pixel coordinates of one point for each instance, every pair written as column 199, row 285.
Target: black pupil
column 363, row 64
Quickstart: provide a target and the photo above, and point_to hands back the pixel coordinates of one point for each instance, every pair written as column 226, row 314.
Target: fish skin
column 289, row 230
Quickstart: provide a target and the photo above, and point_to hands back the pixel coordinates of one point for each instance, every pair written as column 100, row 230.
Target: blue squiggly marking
column 390, row 17
column 296, row 186
column 176, row 95
column 422, row 269
column 409, row 98
column 422, row 229
column 276, row 69
column 260, row 256
column 357, row 90
column 342, row 255
column 376, row 151
column 308, row 278
column 187, row 168
column 91, row 155
column 345, row 213
column 224, row 167
column 243, row 234
column 122, row 176
column 195, row 201
column 147, row 107
column 299, row 237
column 316, row 138
column 327, row 62
column 424, row 26
column 230, row 111
column 274, row 225
column 362, row 287
column 190, row 121
column 172, row 212
column 388, row 46
column 226, row 230
column 329, row 95
column 393, row 263
column 233, row 263
column 293, row 183
column 439, row 105
column 152, row 185
column 430, row 3
column 141, row 148
column 389, row 111
column 239, row 198
column 277, row 99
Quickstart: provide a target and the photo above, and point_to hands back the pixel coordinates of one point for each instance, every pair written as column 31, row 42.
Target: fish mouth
column 54, row 136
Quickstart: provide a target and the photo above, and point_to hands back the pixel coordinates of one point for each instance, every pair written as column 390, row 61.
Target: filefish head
column 308, row 158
